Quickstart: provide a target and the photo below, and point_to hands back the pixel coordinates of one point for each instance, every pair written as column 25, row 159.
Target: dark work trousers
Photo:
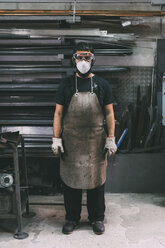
column 95, row 203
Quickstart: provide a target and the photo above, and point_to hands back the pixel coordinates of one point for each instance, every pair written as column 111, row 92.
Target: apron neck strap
column 91, row 85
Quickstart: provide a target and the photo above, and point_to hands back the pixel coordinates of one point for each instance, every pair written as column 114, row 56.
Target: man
column 82, row 102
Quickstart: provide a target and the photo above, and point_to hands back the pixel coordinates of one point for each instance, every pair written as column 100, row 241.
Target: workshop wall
column 27, row 94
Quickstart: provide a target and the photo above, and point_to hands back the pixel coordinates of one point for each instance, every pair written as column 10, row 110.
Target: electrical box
column 163, row 100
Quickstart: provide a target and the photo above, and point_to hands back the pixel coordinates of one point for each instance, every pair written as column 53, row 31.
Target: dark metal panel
column 126, row 86
column 136, row 173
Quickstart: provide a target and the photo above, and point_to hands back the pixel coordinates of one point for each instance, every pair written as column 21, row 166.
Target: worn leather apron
column 83, row 164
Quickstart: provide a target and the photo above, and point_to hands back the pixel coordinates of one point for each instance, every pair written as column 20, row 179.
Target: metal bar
column 39, row 18
column 78, row 1
column 54, row 70
column 119, row 13
column 25, row 170
column 83, row 12
column 28, row 214
column 61, row 33
column 28, row 104
column 38, row 139
column 33, row 130
column 122, row 137
column 51, row 54
column 28, row 122
column 35, row 155
column 163, row 101
column 107, row 40
column 38, row 80
column 51, row 203
column 51, row 32
column 9, row 115
column 23, row 116
column 30, row 58
column 17, row 188
column 39, row 145
column 19, row 234
column 23, row 87
column 30, row 42
column 58, row 52
column 26, row 64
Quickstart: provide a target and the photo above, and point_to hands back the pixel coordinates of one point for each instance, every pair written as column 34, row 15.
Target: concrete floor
column 132, row 220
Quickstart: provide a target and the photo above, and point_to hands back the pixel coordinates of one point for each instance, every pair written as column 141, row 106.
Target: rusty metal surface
column 84, row 12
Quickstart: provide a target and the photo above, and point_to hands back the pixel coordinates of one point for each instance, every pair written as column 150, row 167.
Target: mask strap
column 91, row 85
column 76, row 87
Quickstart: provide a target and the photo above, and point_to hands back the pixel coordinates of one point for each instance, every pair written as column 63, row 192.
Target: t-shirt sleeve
column 60, row 93
column 108, row 96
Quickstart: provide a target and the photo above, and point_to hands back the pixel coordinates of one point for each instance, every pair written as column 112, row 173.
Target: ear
column 73, row 61
column 93, row 61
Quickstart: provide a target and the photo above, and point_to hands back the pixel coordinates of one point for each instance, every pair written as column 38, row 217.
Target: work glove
column 57, row 147
column 110, row 145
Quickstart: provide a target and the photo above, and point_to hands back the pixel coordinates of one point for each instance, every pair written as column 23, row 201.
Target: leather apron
column 83, row 164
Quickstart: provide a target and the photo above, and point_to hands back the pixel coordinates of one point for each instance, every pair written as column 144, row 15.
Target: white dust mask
column 83, row 66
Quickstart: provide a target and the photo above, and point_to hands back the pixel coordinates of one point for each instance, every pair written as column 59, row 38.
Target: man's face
column 83, row 55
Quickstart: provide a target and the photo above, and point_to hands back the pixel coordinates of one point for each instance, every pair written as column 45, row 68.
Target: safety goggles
column 83, row 56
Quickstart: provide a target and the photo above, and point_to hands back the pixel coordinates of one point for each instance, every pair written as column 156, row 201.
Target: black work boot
column 98, row 227
column 69, row 226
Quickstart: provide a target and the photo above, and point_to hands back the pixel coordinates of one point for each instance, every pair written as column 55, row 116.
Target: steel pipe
column 82, row 13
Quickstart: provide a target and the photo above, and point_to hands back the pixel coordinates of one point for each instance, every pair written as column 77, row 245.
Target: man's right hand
column 57, row 147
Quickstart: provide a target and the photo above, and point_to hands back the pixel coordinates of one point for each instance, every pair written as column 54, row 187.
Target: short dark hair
column 83, row 46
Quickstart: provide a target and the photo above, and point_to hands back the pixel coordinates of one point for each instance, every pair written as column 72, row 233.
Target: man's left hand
column 110, row 145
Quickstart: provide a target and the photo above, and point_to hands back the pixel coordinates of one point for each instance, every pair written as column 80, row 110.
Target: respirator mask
column 84, row 62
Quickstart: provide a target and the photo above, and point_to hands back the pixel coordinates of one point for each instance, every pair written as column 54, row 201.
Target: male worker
column 82, row 102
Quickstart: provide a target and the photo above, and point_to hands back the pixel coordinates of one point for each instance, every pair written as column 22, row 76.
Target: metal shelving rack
column 11, row 140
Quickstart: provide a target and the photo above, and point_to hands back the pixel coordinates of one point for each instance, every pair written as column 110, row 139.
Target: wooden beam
column 83, row 12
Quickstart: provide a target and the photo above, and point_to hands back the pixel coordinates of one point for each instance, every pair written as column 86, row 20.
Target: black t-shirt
column 102, row 88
